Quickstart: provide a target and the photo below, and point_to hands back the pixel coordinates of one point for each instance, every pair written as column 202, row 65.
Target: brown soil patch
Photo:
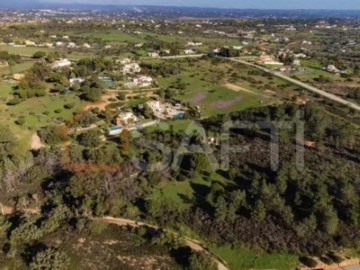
column 196, row 100
column 36, row 142
column 238, row 88
column 225, row 104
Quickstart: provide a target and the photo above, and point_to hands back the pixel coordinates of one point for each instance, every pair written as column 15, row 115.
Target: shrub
column 20, row 121
column 307, row 261
column 69, row 106
column 336, row 258
column 39, row 54
column 49, row 259
column 14, row 101
column 327, row 260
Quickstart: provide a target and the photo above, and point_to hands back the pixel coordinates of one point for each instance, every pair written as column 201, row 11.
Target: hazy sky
column 262, row 4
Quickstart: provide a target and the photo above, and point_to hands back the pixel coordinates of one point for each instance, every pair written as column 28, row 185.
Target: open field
column 37, row 112
column 29, row 51
column 246, row 259
column 184, row 193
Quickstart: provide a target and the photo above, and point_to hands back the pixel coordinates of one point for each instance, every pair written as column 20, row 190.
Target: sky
column 258, row 4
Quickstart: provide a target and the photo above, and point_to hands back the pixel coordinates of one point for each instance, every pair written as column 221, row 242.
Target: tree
column 49, row 259
column 199, row 162
column 4, row 225
column 7, row 142
column 39, row 54
column 220, row 209
column 259, row 212
column 201, row 261
column 328, row 220
column 124, row 142
column 90, row 138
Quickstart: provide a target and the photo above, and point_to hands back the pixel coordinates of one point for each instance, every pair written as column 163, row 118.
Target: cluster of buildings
column 164, row 110
column 267, row 59
column 61, row 63
column 140, row 81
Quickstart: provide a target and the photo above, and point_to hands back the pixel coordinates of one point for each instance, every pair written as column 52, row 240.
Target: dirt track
column 192, row 243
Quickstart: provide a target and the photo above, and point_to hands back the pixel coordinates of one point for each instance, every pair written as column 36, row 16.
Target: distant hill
column 178, row 11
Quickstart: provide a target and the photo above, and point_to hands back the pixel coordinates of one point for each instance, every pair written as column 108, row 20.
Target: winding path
column 191, row 243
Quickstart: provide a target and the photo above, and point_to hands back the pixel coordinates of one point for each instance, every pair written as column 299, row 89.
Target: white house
column 153, row 54
column 61, row 63
column 72, row 45
column 76, row 81
column 86, row 46
column 30, row 43
column 188, row 52
column 131, row 68
column 126, row 118
column 195, row 44
column 123, row 61
column 141, row 81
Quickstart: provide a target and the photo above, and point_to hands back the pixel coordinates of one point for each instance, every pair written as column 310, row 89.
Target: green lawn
column 246, row 259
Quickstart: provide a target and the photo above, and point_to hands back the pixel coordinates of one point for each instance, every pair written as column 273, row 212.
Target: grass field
column 184, row 193
column 114, row 36
column 17, row 68
column 37, row 112
column 213, row 98
column 29, row 51
column 246, row 259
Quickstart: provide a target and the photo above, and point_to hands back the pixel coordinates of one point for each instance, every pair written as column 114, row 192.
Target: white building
column 72, row 45
column 86, row 46
column 153, row 54
column 188, row 52
column 195, row 44
column 126, row 118
column 61, row 63
column 141, row 81
column 76, row 81
column 131, row 68
column 123, row 61
column 59, row 44
column 30, row 43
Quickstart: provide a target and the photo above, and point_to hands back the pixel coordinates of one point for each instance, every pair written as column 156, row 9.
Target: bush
column 69, row 106
column 20, row 121
column 336, row 258
column 49, row 259
column 53, row 135
column 39, row 54
column 307, row 261
column 327, row 260
column 90, row 138
column 14, row 101
column 201, row 261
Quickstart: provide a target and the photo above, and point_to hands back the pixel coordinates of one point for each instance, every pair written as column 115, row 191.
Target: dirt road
column 191, row 243
column 301, row 84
